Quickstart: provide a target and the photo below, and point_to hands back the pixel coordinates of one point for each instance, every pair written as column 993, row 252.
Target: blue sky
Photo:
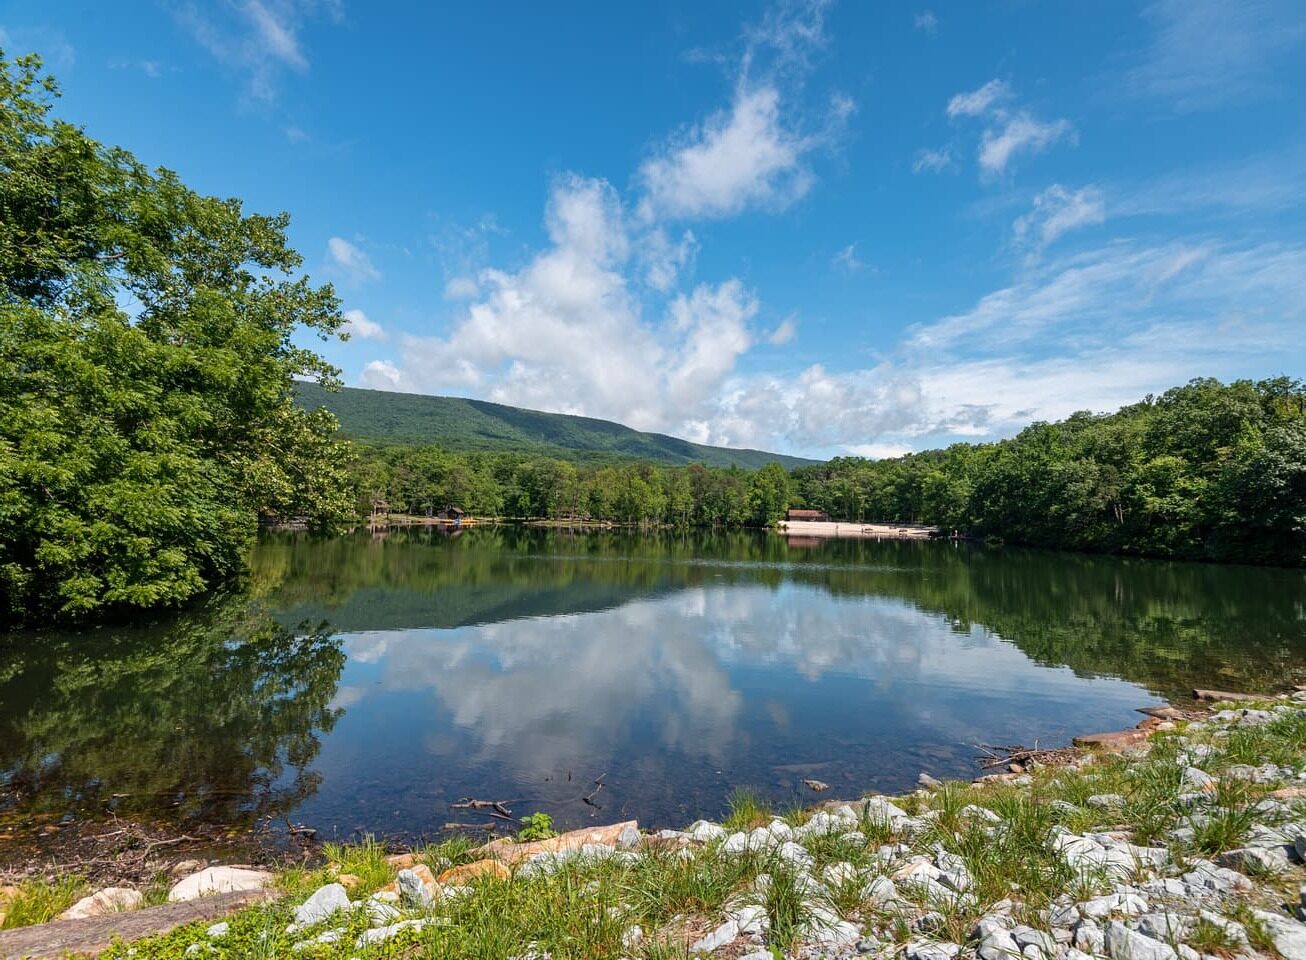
column 811, row 227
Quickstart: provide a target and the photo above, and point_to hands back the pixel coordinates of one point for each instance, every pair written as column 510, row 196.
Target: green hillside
column 475, row 425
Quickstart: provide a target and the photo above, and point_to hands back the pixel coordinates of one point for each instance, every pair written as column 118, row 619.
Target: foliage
column 1207, row 471
column 147, row 357
column 536, row 826
column 455, row 423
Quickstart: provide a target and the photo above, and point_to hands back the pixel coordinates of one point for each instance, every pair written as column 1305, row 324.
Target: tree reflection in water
column 214, row 716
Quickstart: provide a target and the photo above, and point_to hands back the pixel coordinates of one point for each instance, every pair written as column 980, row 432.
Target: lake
column 365, row 683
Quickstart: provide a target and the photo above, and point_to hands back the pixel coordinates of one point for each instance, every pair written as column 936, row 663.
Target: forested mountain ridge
column 478, row 426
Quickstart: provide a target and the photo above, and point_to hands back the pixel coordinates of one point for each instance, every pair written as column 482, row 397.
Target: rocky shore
column 1183, row 840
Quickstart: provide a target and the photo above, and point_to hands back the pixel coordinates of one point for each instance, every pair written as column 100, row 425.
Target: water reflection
column 216, row 716
column 368, row 683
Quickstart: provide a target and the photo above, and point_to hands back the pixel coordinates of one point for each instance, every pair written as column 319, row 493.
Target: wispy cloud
column 351, row 261
column 932, row 161
column 926, row 21
column 1206, row 53
column 846, row 259
column 260, row 38
column 1007, row 131
column 1057, row 211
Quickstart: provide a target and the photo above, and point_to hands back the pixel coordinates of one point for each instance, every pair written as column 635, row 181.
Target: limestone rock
column 219, row 880
column 108, row 900
column 1125, row 944
column 324, row 903
column 459, row 876
column 716, row 939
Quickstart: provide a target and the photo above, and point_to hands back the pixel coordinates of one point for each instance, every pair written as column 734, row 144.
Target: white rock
column 381, row 934
column 703, row 830
column 381, row 913
column 324, row 902
column 717, row 939
column 219, row 880
column 1252, row 859
column 1198, row 781
column 412, row 892
column 108, row 900
column 1125, row 944
column 1126, row 904
column 932, row 950
column 218, row 930
column 628, row 839
column 749, row 919
column 1289, row 936
column 792, row 853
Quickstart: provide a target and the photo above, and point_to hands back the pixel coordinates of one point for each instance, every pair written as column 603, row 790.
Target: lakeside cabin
column 809, row 515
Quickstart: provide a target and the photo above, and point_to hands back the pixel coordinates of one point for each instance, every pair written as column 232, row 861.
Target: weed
column 536, row 826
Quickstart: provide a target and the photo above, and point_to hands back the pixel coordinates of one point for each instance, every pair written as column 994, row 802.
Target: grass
column 747, row 810
column 586, row 910
column 39, row 901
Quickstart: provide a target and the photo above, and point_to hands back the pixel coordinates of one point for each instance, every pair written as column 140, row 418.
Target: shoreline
column 831, row 529
column 1112, row 755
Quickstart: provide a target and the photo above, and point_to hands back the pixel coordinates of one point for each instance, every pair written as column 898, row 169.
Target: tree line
column 1206, row 471
column 150, row 342
column 424, row 480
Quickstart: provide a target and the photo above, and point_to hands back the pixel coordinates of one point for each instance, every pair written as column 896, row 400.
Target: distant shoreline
column 831, row 529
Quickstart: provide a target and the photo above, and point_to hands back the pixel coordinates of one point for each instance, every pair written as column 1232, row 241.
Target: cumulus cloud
column 381, row 375
column 740, row 157
column 1007, row 131
column 355, row 265
column 357, row 324
column 1057, row 211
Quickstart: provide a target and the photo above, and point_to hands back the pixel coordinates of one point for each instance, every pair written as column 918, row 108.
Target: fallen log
column 93, row 935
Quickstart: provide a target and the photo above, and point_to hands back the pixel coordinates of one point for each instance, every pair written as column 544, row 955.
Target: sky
column 818, row 228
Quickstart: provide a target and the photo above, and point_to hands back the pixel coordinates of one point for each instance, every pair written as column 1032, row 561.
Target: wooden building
column 806, row 515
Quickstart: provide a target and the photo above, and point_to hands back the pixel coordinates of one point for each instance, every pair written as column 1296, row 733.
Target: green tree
column 769, row 495
column 147, row 358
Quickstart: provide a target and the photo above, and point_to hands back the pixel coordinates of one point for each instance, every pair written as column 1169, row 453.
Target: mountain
column 475, row 425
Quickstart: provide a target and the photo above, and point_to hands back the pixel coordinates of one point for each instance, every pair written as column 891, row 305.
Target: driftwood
column 999, row 755
column 495, row 808
column 93, row 935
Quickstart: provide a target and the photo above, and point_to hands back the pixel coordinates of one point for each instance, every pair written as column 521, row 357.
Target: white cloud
column 785, row 331
column 381, row 375
column 663, row 260
column 1007, row 132
column 352, row 262
column 926, row 20
column 737, row 158
column 1016, row 134
column 976, row 103
column 846, row 259
column 358, row 325
column 879, row 451
column 257, row 37
column 932, row 161
column 461, row 288
column 1206, row 53
column 1057, row 211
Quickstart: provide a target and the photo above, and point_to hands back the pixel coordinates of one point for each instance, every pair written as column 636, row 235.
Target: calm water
column 365, row 684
